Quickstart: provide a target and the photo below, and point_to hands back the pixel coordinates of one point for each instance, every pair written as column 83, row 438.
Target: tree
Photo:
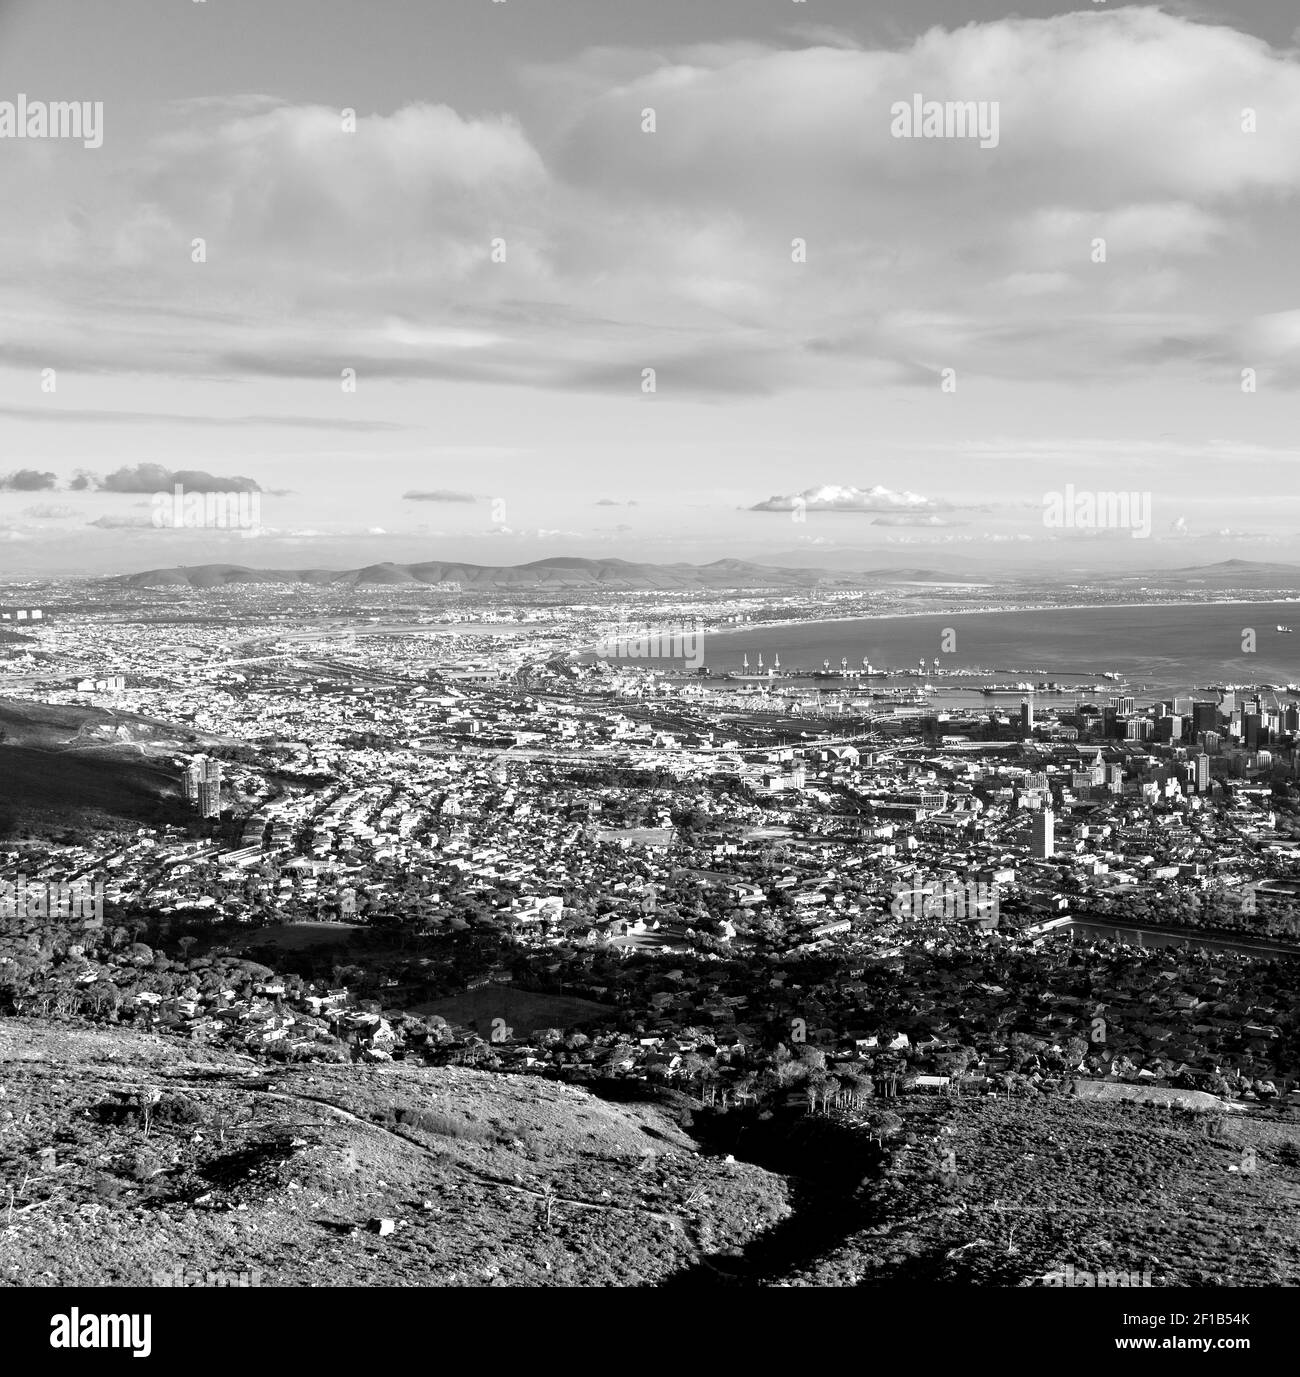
column 859, row 1086
column 1075, row 1051
column 693, row 1065
column 813, row 1058
column 744, row 1087
column 884, row 1123
column 830, row 1090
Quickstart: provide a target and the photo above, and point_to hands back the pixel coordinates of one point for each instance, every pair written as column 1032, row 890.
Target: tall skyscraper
column 1044, row 836
column 1202, row 773
column 202, row 784
column 191, row 778
column 1026, row 717
column 1205, row 718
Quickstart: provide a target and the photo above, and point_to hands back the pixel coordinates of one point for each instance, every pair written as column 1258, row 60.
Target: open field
column 296, row 936
column 523, row 1010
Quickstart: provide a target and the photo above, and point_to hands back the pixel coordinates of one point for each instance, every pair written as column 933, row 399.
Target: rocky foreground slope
column 223, row 1166
column 130, row 1158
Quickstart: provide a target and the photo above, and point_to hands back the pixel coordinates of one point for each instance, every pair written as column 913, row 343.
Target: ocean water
column 1167, row 649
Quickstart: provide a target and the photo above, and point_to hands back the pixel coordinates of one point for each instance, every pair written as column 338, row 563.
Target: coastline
column 986, row 611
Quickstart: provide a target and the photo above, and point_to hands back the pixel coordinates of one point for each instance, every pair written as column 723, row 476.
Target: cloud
column 112, row 522
column 439, row 495
column 917, row 520
column 153, row 478
column 48, row 511
column 28, row 480
column 89, row 416
column 673, row 250
column 834, row 498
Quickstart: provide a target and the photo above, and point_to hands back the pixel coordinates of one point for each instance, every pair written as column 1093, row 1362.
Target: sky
column 426, row 333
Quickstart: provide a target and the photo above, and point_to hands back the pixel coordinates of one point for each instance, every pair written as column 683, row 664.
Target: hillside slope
column 490, row 1180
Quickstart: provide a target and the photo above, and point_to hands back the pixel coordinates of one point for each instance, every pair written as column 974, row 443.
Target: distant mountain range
column 571, row 572
column 559, row 572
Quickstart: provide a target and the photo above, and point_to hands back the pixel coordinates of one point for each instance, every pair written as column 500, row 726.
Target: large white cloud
column 674, row 249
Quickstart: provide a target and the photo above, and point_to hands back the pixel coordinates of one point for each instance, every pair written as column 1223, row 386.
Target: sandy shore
column 984, row 611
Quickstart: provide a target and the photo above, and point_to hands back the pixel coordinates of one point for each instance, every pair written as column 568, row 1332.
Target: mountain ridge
column 560, row 571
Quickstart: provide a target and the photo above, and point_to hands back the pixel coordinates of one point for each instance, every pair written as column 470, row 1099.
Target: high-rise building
column 1205, row 718
column 1202, row 773
column 1044, row 835
column 1252, row 730
column 202, row 784
column 1026, row 717
column 1169, row 727
column 191, row 778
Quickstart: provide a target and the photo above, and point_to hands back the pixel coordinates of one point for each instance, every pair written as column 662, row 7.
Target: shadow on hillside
column 828, row 1164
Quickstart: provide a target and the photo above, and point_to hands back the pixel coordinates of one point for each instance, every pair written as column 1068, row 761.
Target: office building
column 1205, row 718
column 202, row 783
column 1043, row 845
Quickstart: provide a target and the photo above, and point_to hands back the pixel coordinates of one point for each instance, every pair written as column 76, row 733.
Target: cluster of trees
column 1218, row 908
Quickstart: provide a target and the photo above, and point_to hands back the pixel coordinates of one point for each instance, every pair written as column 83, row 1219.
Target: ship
column 1285, row 630
column 763, row 676
column 825, row 672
